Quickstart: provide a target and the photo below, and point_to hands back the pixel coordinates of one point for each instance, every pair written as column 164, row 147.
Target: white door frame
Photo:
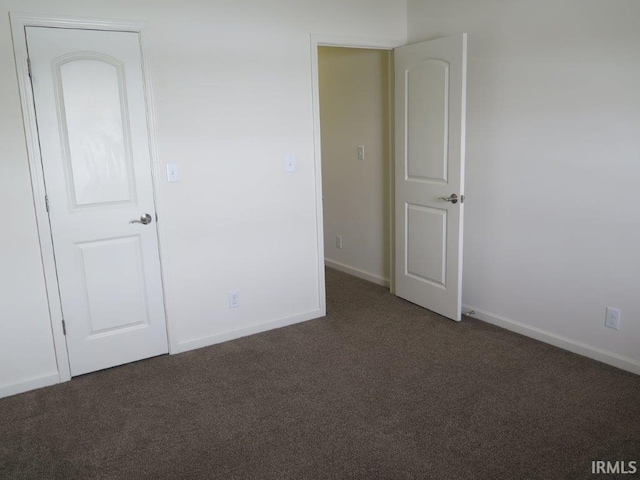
column 322, row 40
column 18, row 23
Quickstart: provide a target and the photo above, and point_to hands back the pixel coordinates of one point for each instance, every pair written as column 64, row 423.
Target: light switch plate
column 172, row 172
column 289, row 164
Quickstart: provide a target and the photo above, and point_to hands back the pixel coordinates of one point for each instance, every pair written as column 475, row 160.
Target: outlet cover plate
column 234, row 298
column 612, row 318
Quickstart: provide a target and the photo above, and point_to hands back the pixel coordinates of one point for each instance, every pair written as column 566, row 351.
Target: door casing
column 18, row 23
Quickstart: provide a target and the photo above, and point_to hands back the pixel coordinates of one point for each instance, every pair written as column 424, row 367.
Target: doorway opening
column 355, row 106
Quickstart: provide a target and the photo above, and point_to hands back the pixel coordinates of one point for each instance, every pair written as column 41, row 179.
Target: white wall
column 553, row 165
column 233, row 96
column 354, row 103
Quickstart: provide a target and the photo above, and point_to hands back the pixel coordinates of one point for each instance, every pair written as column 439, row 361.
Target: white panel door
column 430, row 150
column 92, row 126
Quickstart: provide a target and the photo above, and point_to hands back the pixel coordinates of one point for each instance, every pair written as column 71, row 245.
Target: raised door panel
column 94, row 127
column 427, row 111
column 426, row 227
column 115, row 293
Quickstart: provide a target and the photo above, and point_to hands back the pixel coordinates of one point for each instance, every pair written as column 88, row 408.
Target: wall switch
column 289, row 164
column 338, row 241
column 234, row 298
column 360, row 152
column 612, row 319
column 172, row 172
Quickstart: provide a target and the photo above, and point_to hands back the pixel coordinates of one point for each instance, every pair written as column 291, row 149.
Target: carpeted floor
column 378, row 389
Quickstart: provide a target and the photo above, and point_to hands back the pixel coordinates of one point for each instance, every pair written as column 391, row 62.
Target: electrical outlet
column 338, row 241
column 234, row 298
column 360, row 152
column 612, row 319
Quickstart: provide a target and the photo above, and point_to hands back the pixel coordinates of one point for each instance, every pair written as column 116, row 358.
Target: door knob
column 453, row 198
column 144, row 219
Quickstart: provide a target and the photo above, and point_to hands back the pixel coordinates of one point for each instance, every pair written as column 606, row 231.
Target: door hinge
column 29, row 66
column 46, row 202
column 64, row 327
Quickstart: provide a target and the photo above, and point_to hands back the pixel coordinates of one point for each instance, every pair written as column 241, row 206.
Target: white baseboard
column 356, row 272
column 209, row 340
column 604, row 356
column 29, row 384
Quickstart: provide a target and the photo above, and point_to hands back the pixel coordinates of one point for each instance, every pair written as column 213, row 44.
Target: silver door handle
column 453, row 198
column 144, row 219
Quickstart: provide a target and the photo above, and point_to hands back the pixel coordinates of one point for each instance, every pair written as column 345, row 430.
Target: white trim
column 356, row 272
column 158, row 178
column 209, row 340
column 30, row 384
column 391, row 155
column 604, row 356
column 317, row 166
column 23, row 19
column 317, row 40
column 346, row 41
column 18, row 23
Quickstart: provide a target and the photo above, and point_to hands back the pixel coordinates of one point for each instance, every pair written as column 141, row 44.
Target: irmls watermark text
column 601, row 466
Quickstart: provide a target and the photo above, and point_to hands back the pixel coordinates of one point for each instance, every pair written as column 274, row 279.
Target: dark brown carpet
column 377, row 389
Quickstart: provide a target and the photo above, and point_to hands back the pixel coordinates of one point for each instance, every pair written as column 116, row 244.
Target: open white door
column 90, row 105
column 430, row 102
